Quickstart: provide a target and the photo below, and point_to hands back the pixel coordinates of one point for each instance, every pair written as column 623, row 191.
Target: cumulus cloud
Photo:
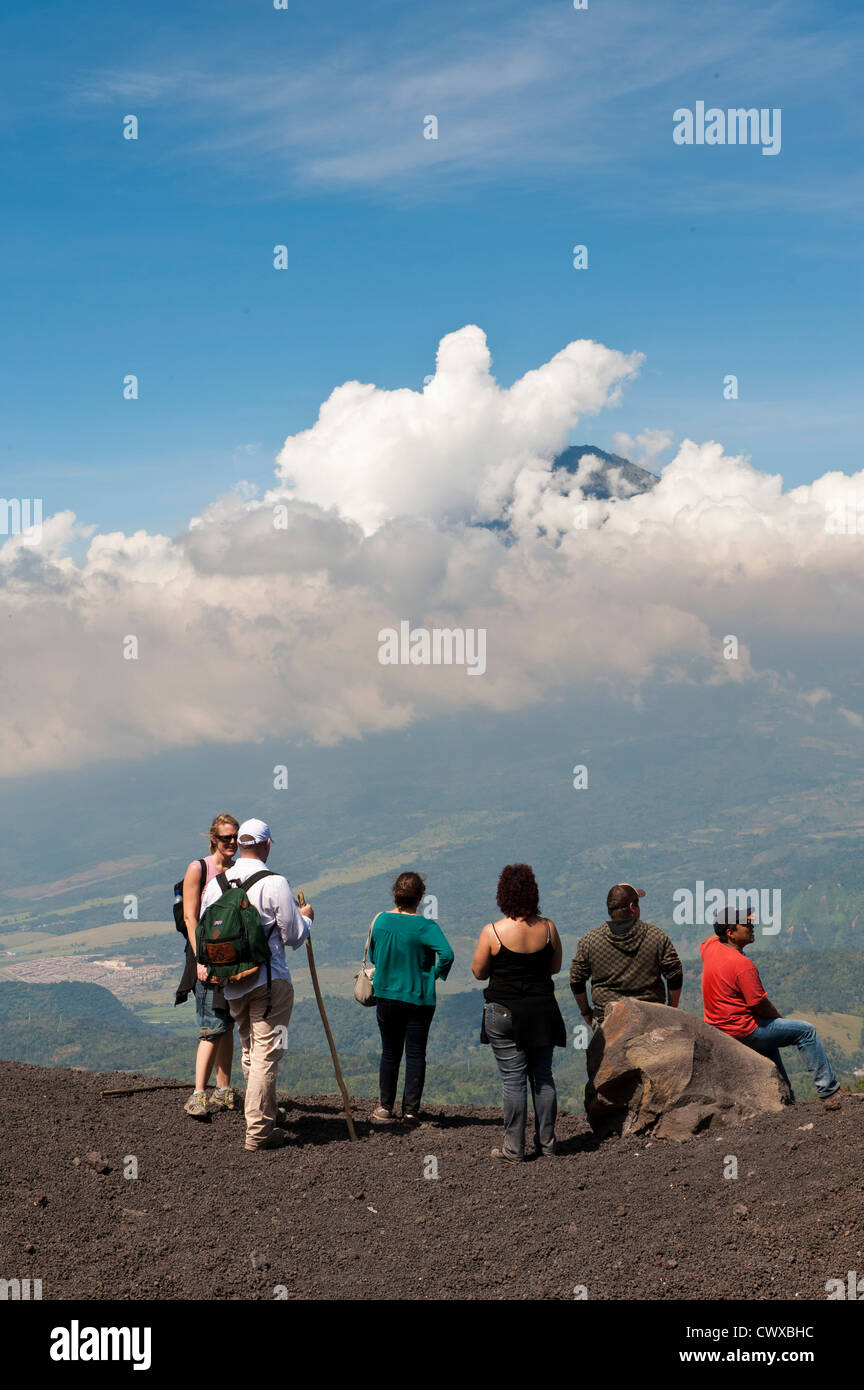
column 646, row 448
column 439, row 508
column 453, row 451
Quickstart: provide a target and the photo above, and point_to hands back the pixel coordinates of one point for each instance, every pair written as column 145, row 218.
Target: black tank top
column 521, row 981
column 520, row 972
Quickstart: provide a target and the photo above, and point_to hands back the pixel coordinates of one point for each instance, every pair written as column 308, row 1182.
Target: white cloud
column 246, row 628
column 816, row 696
column 541, row 90
column 646, row 448
column 454, row 451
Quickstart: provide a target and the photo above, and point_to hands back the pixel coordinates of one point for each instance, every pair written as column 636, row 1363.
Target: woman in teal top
column 410, row 953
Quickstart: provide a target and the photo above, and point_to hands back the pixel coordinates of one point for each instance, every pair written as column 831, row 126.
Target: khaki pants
column 263, row 1043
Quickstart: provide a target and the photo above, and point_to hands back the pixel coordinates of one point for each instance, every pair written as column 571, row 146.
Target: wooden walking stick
column 333, row 1053
column 137, row 1090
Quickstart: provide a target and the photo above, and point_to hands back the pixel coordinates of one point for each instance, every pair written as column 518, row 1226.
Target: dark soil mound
column 325, row 1218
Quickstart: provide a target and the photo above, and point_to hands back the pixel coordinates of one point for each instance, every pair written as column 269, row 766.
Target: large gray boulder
column 659, row 1070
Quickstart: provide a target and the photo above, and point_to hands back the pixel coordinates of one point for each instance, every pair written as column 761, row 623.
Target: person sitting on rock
column 735, row 1001
column 625, row 958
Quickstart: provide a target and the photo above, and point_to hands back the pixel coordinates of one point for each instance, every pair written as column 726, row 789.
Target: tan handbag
column 364, row 990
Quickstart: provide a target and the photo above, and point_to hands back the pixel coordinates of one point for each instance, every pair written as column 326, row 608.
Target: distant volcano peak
column 600, row 483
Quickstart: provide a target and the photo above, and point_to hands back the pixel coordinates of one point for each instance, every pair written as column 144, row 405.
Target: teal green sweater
column 409, row 954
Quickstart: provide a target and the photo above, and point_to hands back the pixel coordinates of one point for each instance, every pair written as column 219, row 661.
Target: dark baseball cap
column 732, row 917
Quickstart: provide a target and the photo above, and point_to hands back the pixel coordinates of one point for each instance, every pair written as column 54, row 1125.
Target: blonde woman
column 215, row 1025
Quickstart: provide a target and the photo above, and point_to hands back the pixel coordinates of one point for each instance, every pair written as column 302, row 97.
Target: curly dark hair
column 518, row 894
column 408, row 890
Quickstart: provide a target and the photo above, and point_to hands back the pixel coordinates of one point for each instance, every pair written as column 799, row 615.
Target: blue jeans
column 775, row 1033
column 403, row 1027
column 517, row 1067
column 214, row 1016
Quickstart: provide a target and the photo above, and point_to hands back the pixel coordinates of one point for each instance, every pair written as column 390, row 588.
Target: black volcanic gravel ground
column 329, row 1219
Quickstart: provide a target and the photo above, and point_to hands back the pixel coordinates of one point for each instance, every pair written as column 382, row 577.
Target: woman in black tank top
column 521, row 1019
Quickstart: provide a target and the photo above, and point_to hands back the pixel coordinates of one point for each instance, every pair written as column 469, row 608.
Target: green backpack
column 230, row 938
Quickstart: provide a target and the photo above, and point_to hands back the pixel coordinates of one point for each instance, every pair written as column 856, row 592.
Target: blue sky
column 304, row 127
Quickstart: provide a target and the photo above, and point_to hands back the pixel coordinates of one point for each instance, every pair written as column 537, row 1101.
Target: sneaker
column 224, row 1099
column 409, row 1117
column 196, row 1106
column 282, row 1115
column 506, row 1155
column 382, row 1116
column 550, row 1151
column 277, row 1140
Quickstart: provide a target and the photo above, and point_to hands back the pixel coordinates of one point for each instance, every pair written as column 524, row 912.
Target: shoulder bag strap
column 369, row 939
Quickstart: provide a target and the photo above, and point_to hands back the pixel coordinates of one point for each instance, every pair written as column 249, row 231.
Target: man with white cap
column 263, row 1037
column 625, row 958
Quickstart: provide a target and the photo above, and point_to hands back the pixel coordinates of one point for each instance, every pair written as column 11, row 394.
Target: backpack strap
column 247, row 883
column 269, row 982
column 256, row 877
column 225, row 882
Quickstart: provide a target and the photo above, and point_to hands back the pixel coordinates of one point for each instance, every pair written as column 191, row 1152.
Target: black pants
column 404, row 1027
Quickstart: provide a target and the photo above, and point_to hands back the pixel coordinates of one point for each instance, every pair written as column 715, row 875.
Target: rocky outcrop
column 660, row 1070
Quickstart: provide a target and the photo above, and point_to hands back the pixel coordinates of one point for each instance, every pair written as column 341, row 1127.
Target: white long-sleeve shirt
column 275, row 903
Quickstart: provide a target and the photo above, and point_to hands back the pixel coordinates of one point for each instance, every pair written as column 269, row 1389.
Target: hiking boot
column 196, row 1106
column 382, row 1116
column 277, row 1140
column 506, row 1155
column 410, row 1117
column 842, row 1093
column 224, row 1099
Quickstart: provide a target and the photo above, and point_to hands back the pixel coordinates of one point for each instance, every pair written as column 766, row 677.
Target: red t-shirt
column 731, row 987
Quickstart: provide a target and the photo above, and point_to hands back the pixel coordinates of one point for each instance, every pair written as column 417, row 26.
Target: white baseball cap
column 254, row 831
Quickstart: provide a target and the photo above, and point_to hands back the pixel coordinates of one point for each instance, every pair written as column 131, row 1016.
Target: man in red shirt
column 735, row 1001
